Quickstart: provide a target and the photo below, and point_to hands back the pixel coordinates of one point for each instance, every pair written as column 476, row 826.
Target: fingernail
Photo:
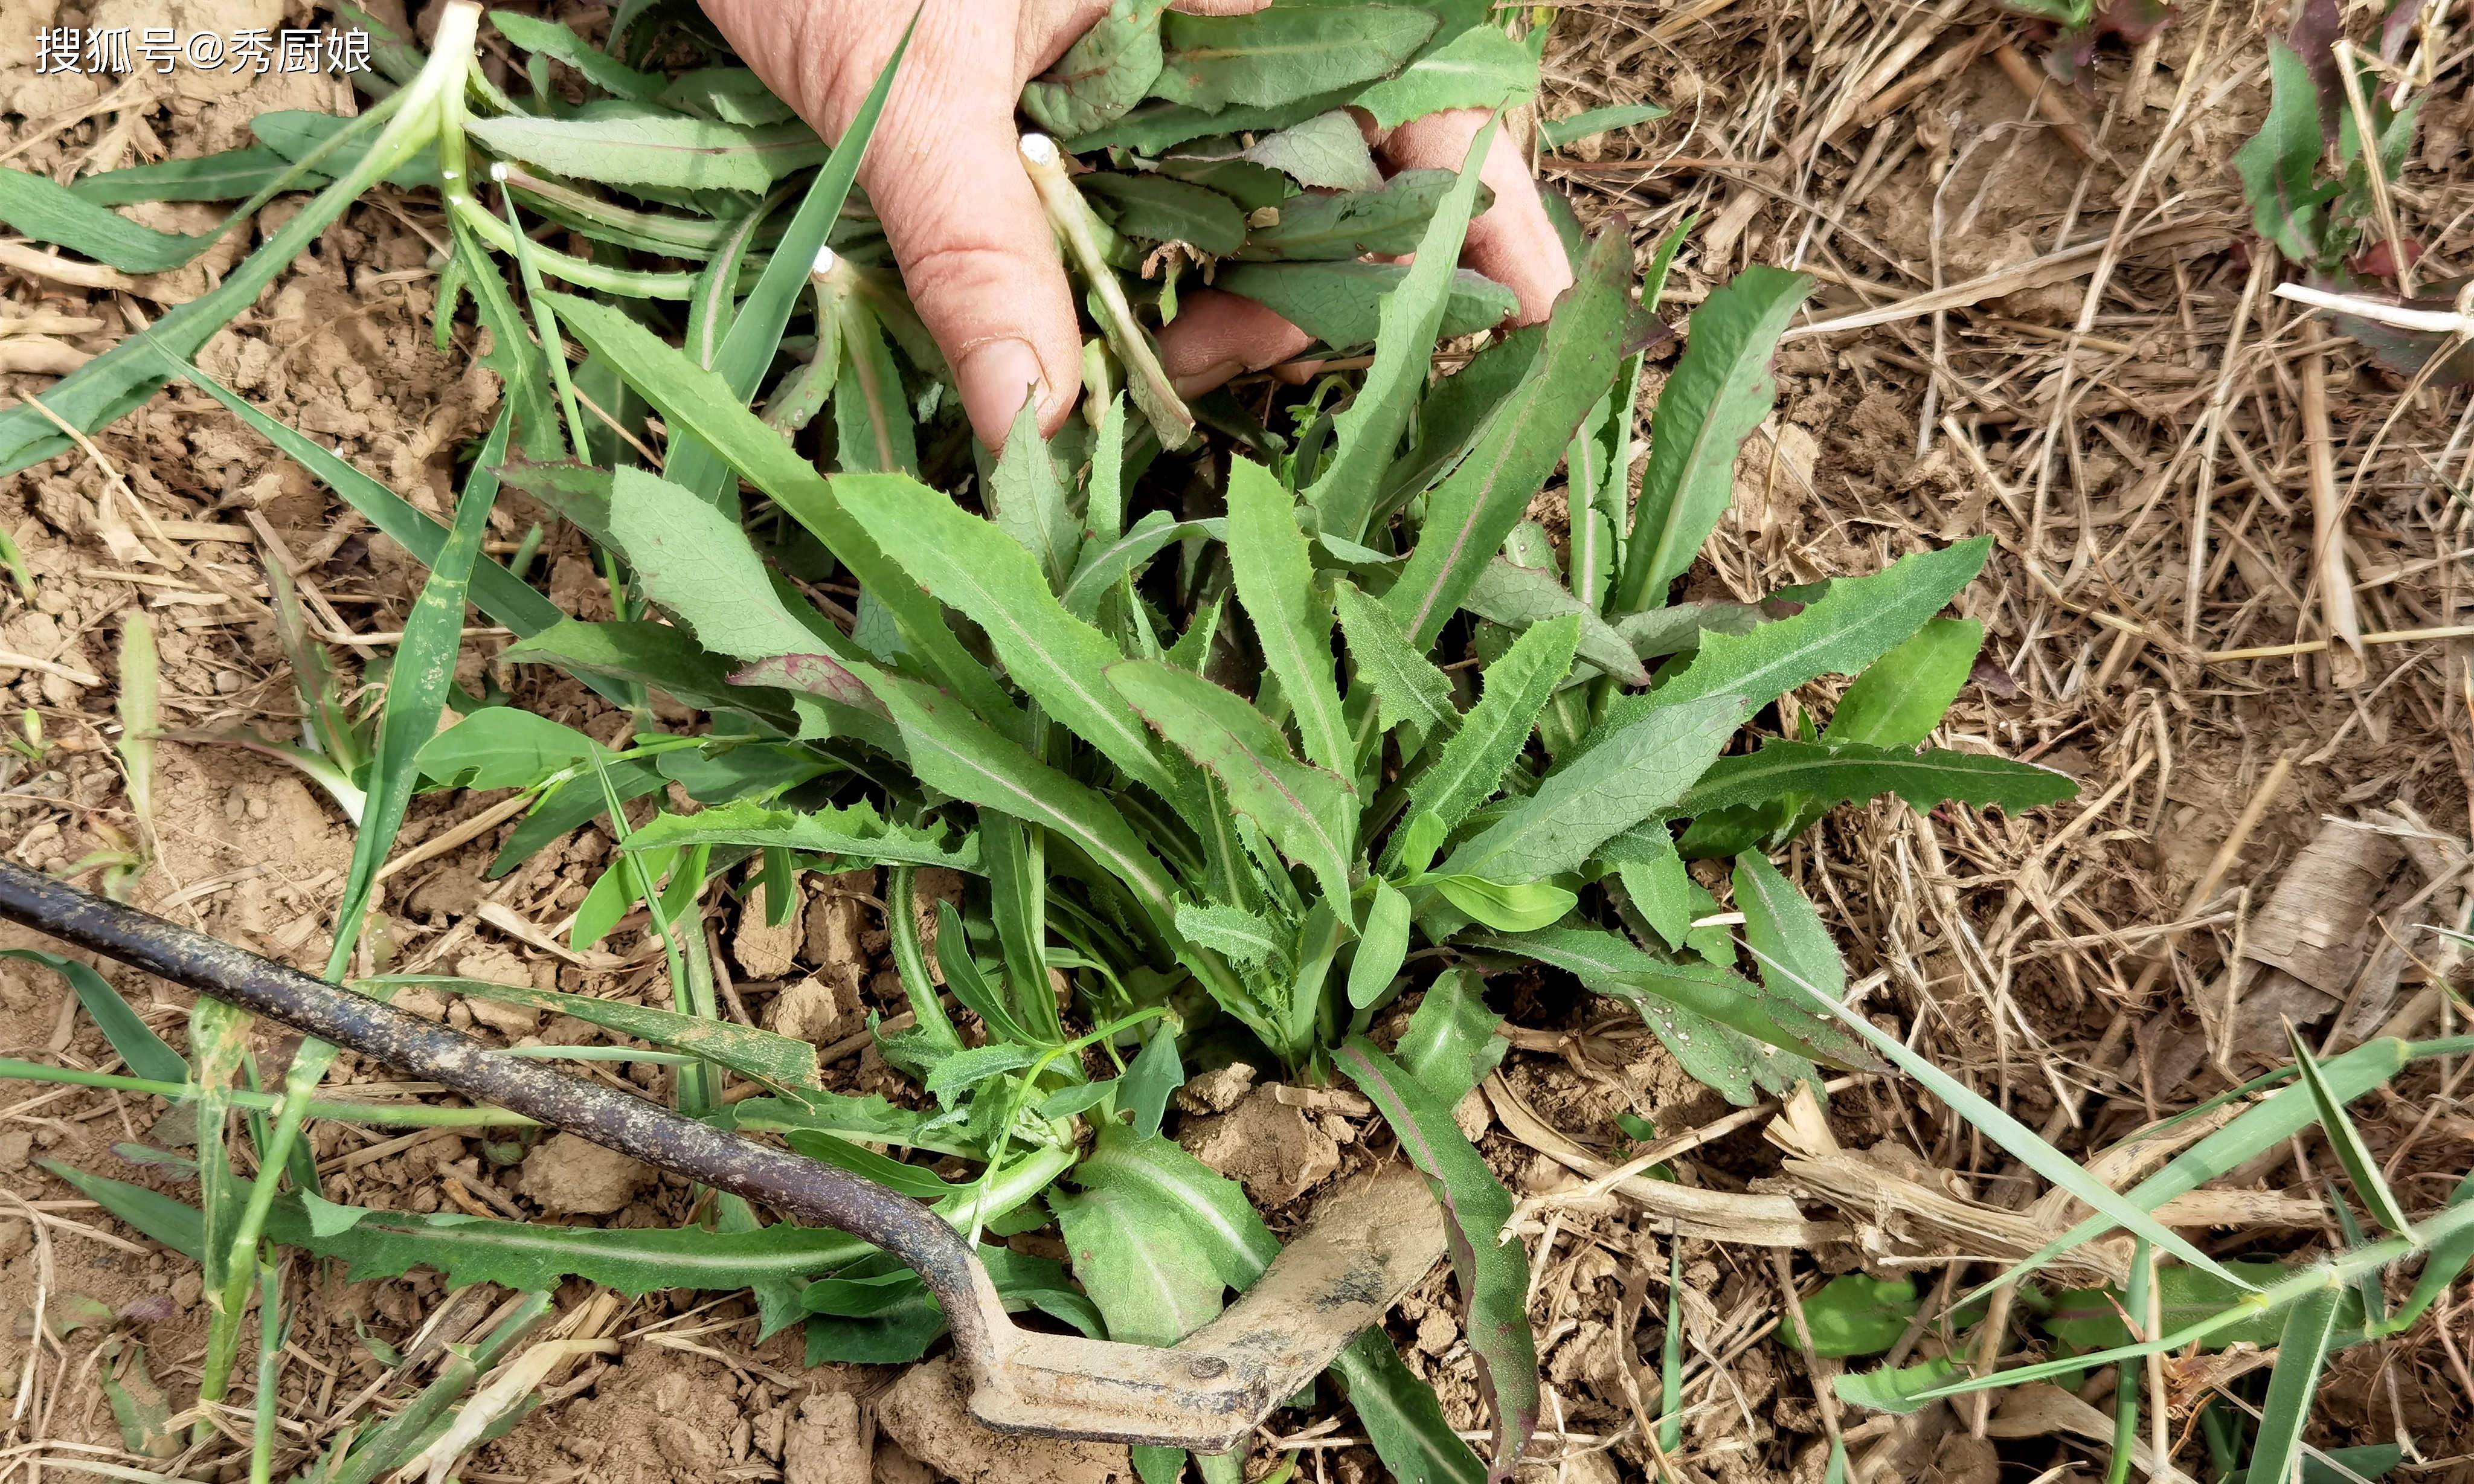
column 1211, row 376
column 995, row 378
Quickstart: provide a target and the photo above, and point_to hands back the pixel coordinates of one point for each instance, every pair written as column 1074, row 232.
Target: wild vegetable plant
column 1246, row 738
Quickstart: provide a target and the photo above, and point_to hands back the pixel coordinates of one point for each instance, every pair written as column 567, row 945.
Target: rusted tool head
column 1363, row 1248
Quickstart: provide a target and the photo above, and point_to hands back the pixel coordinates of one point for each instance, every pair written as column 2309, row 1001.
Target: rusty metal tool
column 1363, row 1247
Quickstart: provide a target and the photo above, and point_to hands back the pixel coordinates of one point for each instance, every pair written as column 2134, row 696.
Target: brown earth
column 2025, row 952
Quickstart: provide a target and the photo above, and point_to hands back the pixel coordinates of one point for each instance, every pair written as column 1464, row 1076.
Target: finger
column 1216, row 336
column 1512, row 243
column 942, row 169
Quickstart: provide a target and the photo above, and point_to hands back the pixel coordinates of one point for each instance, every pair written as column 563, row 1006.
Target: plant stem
column 1070, row 216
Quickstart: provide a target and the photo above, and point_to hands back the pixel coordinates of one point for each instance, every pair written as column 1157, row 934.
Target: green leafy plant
column 1245, row 738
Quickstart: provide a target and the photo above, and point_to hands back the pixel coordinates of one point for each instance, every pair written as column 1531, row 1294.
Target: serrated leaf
column 1613, row 965
column 776, row 1061
column 1340, row 304
column 1719, row 393
column 690, row 397
column 335, row 148
column 2280, row 164
column 600, row 68
column 1366, row 433
column 1345, row 225
column 1026, row 500
column 651, row 147
column 1284, row 51
column 1234, row 933
column 1408, row 690
column 1653, row 877
column 1856, row 1314
column 1326, row 152
column 227, row 175
column 1482, row 68
column 1471, row 766
column 1492, row 1268
column 954, row 751
column 1309, row 814
column 855, row 834
column 1556, row 132
column 1154, row 1073
column 1158, row 208
column 1292, row 618
column 698, row 564
column 1506, row 906
column 1898, row 1392
column 1151, row 1291
column 1105, row 72
column 501, row 747
column 1849, row 627
column 1470, row 513
column 1517, row 596
column 734, row 95
column 971, row 565
column 1831, row 774
column 1786, row 933
column 1630, row 775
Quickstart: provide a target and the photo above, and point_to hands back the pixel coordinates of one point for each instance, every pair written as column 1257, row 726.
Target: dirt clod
column 826, row 1444
column 567, row 1176
column 1278, row 1152
column 928, row 1414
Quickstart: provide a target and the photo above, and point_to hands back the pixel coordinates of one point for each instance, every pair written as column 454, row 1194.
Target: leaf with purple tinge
column 1493, row 1271
column 819, row 675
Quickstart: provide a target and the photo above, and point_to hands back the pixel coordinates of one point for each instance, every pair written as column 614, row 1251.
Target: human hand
column 965, row 224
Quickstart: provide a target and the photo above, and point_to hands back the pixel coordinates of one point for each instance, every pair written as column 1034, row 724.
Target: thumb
column 942, row 169
column 980, row 266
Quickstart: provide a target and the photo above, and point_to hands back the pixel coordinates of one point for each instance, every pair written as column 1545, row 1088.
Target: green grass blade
column 118, row 382
column 2310, row 1327
column 738, row 343
column 1291, row 617
column 495, row 591
column 141, row 1049
column 2277, row 1118
column 2013, row 1136
column 1366, row 437
column 2360, row 1168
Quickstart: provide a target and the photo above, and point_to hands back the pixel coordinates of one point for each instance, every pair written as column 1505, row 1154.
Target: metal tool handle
column 804, row 1188
column 1364, row 1248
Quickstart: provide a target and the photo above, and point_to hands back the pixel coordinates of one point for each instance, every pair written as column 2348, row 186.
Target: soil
column 2005, row 948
